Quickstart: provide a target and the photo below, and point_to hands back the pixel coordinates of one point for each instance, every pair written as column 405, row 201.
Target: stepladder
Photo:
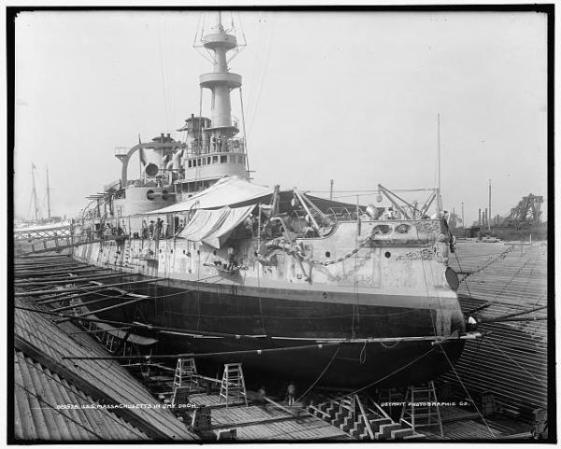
column 232, row 387
column 421, row 407
column 184, row 379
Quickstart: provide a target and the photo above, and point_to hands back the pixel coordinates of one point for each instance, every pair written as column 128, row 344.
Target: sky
column 352, row 97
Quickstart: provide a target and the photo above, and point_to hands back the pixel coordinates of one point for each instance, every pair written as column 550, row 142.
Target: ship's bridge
column 213, row 160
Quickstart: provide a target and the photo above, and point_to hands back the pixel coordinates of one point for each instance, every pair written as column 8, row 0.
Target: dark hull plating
column 294, row 323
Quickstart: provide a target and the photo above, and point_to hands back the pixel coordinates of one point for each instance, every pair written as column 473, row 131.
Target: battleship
column 345, row 295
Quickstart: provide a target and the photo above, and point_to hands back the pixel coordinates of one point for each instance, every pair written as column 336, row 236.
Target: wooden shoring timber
column 53, row 270
column 46, row 256
column 92, row 390
column 62, row 274
column 115, row 306
column 50, row 264
column 365, row 415
column 97, row 331
column 63, row 296
column 87, row 303
column 66, row 280
column 68, row 276
column 87, row 289
column 46, row 263
column 47, row 268
column 57, row 298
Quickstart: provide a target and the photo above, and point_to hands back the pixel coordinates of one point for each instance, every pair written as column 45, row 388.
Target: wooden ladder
column 233, row 384
column 425, row 415
column 184, row 378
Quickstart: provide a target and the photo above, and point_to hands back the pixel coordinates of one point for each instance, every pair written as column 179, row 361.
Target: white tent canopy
column 225, row 192
column 203, row 223
column 214, row 226
column 233, row 219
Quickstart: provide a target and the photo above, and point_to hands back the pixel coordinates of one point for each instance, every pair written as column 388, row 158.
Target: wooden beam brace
column 87, row 289
column 66, row 280
column 115, row 306
column 77, row 305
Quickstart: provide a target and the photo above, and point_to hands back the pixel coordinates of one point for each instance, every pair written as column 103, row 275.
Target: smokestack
column 479, row 216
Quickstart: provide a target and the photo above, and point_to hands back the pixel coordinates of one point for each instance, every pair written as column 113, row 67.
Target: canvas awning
column 203, row 223
column 213, row 227
column 230, row 222
column 228, row 191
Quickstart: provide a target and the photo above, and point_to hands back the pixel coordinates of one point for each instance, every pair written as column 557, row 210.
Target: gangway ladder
column 233, row 384
column 184, row 378
column 428, row 413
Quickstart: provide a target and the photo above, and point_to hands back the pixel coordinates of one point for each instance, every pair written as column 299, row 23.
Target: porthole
column 402, row 228
column 150, row 194
column 327, row 254
column 381, row 229
column 214, row 253
column 388, row 254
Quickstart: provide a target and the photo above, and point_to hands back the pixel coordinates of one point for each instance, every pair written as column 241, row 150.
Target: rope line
column 387, row 376
column 466, row 391
column 321, row 374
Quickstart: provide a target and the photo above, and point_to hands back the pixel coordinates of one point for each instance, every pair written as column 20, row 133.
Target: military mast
column 220, row 81
column 214, row 149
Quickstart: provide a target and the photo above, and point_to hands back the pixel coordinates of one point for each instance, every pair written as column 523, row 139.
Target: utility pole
column 490, row 214
column 331, row 189
column 48, row 196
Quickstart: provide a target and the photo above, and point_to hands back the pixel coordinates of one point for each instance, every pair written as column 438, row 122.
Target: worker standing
column 291, row 392
column 231, row 258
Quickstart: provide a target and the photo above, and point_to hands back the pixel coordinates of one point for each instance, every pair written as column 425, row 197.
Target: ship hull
column 287, row 327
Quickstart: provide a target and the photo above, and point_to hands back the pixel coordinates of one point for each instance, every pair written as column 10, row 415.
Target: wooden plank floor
column 266, row 422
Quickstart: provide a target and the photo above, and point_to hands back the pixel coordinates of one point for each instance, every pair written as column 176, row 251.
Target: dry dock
column 502, row 377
